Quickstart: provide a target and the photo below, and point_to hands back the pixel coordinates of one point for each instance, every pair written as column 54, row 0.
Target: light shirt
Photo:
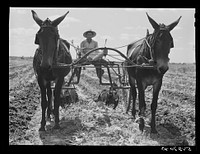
column 89, row 46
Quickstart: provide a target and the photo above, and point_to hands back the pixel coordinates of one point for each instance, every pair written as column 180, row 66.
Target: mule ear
column 57, row 21
column 172, row 25
column 153, row 23
column 36, row 18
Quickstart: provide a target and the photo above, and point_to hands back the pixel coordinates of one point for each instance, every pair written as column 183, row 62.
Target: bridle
column 47, row 24
column 150, row 41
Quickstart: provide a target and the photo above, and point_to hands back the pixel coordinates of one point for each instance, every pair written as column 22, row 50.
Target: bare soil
column 87, row 122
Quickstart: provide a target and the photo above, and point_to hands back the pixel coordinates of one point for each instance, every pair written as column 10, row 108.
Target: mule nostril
column 163, row 69
column 45, row 66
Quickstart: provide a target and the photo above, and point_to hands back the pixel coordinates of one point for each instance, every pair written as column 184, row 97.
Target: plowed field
column 87, row 122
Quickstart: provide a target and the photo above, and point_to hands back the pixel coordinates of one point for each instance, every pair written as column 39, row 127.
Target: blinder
column 36, row 39
column 36, row 36
column 172, row 43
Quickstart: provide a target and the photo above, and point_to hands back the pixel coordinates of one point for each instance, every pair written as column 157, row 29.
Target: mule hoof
column 114, row 107
column 42, row 129
column 141, row 124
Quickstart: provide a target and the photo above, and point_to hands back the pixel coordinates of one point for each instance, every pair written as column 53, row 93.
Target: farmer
column 89, row 44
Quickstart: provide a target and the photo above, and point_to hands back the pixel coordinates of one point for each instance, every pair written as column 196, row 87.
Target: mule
column 52, row 49
column 154, row 50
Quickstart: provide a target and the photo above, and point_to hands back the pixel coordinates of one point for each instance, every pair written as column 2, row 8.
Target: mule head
column 163, row 43
column 47, row 38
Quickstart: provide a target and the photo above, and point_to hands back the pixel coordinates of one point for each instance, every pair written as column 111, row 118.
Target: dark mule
column 154, row 50
column 52, row 49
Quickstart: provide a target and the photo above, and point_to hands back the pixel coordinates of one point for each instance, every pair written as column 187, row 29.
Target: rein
column 151, row 51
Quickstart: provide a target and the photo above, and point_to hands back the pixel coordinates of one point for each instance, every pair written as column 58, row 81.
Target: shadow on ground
column 62, row 136
column 168, row 135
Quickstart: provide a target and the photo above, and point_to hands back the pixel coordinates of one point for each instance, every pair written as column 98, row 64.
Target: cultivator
column 116, row 78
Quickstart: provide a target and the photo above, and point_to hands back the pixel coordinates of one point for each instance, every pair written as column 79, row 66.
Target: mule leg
column 58, row 88
column 49, row 96
column 156, row 89
column 141, row 95
column 134, row 95
column 43, row 104
column 129, row 102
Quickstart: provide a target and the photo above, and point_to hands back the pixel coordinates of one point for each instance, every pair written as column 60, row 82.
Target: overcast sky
column 120, row 26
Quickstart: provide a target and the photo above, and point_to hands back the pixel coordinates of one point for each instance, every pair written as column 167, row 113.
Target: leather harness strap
column 150, row 50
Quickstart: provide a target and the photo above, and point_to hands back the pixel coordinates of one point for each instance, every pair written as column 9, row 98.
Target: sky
column 120, row 26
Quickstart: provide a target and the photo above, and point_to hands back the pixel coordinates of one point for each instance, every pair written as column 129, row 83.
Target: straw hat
column 89, row 31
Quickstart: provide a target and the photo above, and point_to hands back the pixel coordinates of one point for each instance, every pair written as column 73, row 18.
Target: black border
column 112, row 4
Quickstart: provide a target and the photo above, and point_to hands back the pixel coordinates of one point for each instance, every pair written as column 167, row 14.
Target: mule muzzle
column 45, row 66
column 162, row 69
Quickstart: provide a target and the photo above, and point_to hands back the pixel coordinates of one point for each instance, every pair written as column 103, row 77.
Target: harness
column 149, row 46
column 151, row 51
